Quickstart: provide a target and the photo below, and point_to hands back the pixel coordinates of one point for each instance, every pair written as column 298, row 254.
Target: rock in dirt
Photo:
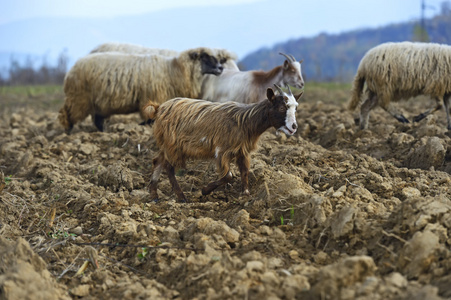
column 332, row 279
column 418, row 253
column 116, row 176
column 24, row 274
column 430, row 154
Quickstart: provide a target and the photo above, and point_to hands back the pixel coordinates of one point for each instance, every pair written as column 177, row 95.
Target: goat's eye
column 283, row 108
column 223, row 60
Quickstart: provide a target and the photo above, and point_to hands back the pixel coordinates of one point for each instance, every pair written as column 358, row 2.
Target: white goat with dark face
column 250, row 86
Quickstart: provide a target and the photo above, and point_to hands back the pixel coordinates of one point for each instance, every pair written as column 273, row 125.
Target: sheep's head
column 282, row 114
column 209, row 63
column 292, row 73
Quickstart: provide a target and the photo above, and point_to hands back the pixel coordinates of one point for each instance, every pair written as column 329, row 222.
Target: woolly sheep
column 395, row 71
column 103, row 84
column 226, row 58
column 189, row 129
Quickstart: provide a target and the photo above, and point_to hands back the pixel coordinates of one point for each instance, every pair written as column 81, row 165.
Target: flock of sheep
column 166, row 86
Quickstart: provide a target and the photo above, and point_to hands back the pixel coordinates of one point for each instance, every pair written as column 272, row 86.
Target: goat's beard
column 285, row 130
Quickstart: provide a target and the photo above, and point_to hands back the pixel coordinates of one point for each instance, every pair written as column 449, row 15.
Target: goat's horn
column 288, row 57
column 289, row 90
column 294, row 59
column 278, row 88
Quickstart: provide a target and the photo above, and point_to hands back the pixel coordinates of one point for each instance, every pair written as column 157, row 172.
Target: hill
column 335, row 57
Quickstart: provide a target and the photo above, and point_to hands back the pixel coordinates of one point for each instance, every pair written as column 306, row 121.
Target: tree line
column 27, row 74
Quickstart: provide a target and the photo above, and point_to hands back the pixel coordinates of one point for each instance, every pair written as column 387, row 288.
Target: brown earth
column 334, row 212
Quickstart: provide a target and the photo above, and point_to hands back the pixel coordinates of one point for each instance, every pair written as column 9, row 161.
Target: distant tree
column 420, row 34
column 445, row 8
column 28, row 74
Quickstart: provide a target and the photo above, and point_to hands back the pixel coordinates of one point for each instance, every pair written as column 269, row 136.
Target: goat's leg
column 223, row 166
column 98, row 121
column 365, row 109
column 175, row 186
column 215, row 184
column 446, row 101
column 423, row 115
column 158, row 164
column 243, row 164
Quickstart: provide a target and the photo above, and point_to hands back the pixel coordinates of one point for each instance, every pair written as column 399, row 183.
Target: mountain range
column 335, row 57
column 326, row 56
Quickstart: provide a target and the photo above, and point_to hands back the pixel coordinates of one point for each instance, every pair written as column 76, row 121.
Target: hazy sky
column 375, row 11
column 275, row 21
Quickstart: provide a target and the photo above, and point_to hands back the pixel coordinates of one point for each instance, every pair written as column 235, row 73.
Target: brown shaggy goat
column 188, row 128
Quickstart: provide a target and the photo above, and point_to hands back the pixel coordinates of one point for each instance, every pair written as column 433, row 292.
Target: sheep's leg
column 98, row 121
column 446, row 99
column 243, row 164
column 365, row 109
column 423, row 115
column 158, row 163
column 395, row 113
column 175, row 186
column 223, row 167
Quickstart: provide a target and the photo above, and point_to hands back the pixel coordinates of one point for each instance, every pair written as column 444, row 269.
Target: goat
column 250, row 86
column 198, row 129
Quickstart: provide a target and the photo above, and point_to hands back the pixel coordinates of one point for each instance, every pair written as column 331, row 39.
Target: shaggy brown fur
column 103, row 84
column 396, row 71
column 197, row 129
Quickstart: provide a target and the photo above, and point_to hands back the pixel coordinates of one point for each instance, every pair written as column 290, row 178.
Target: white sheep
column 133, row 49
column 227, row 59
column 395, row 71
column 103, row 84
column 250, row 86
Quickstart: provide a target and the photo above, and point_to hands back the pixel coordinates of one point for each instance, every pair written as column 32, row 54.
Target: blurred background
column 41, row 40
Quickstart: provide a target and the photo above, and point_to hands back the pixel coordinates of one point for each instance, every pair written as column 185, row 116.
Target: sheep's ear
column 270, row 94
column 194, row 55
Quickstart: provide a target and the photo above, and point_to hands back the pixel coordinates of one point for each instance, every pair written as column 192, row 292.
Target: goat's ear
column 270, row 94
column 286, row 64
column 193, row 55
column 301, row 61
column 297, row 97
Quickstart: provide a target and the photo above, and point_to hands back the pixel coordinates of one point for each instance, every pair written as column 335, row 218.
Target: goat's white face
column 292, row 74
column 291, row 125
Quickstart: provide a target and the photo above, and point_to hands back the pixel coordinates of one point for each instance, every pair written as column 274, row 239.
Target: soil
column 334, row 212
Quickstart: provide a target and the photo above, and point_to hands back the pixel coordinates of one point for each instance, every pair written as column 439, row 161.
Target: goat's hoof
column 155, row 200
column 184, row 200
column 245, row 192
column 205, row 192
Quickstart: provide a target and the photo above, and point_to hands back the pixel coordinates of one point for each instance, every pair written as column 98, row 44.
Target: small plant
column 61, row 235
column 143, row 253
column 8, row 179
column 281, row 220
